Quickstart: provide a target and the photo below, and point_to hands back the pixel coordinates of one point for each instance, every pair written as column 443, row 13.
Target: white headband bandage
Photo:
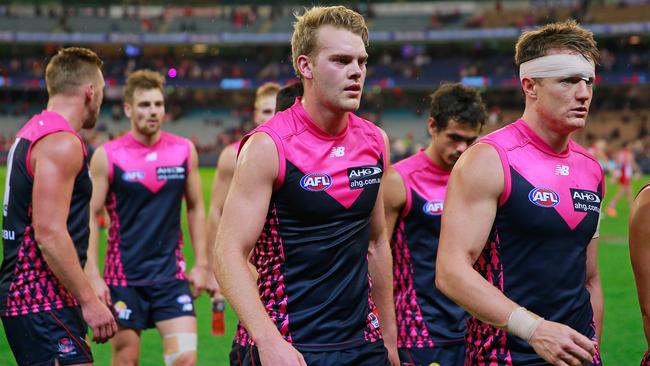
column 560, row 65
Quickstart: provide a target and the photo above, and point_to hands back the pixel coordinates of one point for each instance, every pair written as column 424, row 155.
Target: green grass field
column 623, row 342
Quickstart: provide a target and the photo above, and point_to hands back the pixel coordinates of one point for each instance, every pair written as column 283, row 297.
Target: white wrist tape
column 523, row 323
column 559, row 65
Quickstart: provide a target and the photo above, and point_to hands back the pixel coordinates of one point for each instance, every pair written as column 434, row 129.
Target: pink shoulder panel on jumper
column 42, row 125
column 522, row 150
column 420, row 174
column 300, row 141
column 314, row 151
column 135, row 158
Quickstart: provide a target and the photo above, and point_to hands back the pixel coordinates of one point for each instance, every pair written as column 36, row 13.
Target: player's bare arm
column 242, row 221
column 201, row 277
column 594, row 286
column 56, row 161
column 640, row 254
column 100, row 179
column 394, row 195
column 380, row 266
column 220, row 187
column 466, row 224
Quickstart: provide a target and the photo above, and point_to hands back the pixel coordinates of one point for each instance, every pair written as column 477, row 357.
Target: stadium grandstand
column 215, row 56
column 216, row 53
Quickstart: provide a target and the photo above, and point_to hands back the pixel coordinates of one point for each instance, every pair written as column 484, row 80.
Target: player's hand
column 560, row 345
column 212, row 287
column 390, row 342
column 393, row 357
column 201, row 278
column 101, row 290
column 100, row 320
column 280, row 353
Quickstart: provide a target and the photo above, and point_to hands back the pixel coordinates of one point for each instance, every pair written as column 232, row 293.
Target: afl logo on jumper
column 433, row 208
column 316, row 182
column 133, row 176
column 544, row 197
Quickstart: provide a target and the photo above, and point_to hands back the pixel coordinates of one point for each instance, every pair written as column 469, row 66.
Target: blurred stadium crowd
column 215, row 56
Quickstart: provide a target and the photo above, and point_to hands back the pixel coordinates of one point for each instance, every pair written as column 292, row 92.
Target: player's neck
column 331, row 122
column 431, row 153
column 557, row 141
column 70, row 108
column 148, row 140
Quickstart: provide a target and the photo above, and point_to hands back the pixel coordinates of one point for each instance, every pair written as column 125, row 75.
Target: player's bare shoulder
column 99, row 160
column 227, row 159
column 259, row 156
column 62, row 148
column 394, row 190
column 480, row 167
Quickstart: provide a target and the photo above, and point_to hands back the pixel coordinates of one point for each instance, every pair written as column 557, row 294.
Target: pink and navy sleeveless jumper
column 147, row 186
column 311, row 256
column 27, row 285
column 536, row 251
column 425, row 317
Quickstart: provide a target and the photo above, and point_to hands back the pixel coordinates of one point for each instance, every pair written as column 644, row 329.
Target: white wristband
column 523, row 323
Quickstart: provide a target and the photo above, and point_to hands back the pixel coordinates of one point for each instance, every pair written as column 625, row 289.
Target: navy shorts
column 436, row 356
column 39, row 339
column 141, row 307
column 371, row 354
column 236, row 355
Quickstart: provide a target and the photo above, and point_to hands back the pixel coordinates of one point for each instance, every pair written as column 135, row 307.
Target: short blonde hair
column 305, row 29
column 561, row 35
column 142, row 79
column 268, row 89
column 70, row 68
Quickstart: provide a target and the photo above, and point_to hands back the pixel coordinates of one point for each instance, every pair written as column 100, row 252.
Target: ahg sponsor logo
column 585, row 201
column 170, row 173
column 133, row 176
column 433, row 208
column 316, row 182
column 544, row 197
column 363, row 172
column 362, row 176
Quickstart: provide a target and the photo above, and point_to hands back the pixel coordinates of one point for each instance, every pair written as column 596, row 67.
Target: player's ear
column 127, row 110
column 431, row 126
column 305, row 65
column 89, row 92
column 529, row 86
